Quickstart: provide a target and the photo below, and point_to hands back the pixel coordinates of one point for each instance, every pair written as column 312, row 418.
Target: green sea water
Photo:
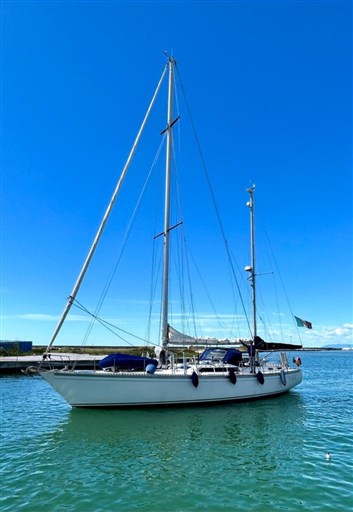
column 260, row 456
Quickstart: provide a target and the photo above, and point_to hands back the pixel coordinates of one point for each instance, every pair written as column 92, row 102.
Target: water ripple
column 263, row 456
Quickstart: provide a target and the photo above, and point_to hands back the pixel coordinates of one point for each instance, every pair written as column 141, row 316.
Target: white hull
column 110, row 389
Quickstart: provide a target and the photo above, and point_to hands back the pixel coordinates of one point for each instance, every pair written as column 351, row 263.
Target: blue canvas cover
column 233, row 356
column 230, row 355
column 126, row 362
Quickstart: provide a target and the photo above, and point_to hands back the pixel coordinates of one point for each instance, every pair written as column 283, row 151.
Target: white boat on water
column 219, row 375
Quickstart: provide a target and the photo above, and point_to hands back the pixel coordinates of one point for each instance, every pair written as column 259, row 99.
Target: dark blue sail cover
column 126, row 362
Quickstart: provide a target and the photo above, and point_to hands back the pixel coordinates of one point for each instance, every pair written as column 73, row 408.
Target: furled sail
column 178, row 338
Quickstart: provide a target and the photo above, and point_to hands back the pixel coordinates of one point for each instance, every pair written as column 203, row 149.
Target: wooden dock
column 24, row 364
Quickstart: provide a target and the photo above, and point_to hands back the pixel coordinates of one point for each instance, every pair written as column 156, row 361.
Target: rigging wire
column 108, row 325
column 182, row 260
column 280, row 277
column 123, row 246
column 182, row 264
column 225, row 241
column 155, row 273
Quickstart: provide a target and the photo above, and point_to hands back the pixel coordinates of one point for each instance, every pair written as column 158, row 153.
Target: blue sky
column 269, row 85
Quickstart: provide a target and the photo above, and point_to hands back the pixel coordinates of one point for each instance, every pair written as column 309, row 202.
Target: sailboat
column 220, row 374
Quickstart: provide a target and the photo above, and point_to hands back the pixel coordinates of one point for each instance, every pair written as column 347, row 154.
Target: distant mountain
column 339, row 345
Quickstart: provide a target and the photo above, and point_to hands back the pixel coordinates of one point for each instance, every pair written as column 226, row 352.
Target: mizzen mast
column 251, row 268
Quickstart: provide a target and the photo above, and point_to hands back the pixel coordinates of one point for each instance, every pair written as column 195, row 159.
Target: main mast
column 165, row 285
column 251, row 269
